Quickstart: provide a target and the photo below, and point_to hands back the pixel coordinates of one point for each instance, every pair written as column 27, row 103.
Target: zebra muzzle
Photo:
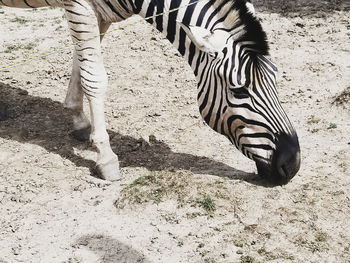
column 285, row 162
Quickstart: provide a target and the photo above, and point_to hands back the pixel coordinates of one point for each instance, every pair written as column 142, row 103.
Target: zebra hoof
column 4, row 114
column 81, row 135
column 108, row 171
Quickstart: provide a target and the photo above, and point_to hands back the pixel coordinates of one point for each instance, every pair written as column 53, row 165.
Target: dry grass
column 343, row 99
column 180, row 186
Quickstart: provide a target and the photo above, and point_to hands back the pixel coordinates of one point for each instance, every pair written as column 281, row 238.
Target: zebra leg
column 74, row 102
column 74, row 97
column 84, row 29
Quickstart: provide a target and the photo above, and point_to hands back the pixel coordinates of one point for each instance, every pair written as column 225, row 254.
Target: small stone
column 15, row 250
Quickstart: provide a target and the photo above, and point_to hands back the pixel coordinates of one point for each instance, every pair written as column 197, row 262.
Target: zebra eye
column 214, row 54
column 240, row 93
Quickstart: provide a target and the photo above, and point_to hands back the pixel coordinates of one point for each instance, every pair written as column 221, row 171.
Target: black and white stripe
column 223, row 43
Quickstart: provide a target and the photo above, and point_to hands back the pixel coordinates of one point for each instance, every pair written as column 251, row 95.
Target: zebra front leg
column 74, row 97
column 84, row 28
column 74, row 102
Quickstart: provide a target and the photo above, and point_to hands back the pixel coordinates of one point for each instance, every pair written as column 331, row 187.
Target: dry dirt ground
column 186, row 194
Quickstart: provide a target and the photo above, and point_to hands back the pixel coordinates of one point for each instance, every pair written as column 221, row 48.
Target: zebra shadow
column 109, row 250
column 46, row 122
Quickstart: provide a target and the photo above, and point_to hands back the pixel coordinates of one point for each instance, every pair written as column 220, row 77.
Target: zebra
column 226, row 47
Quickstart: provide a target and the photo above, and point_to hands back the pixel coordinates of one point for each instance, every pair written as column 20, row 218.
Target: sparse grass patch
column 20, row 20
column 58, row 20
column 318, row 245
column 347, row 248
column 193, row 215
column 209, row 260
column 155, row 187
column 287, row 256
column 247, row 259
column 180, row 186
column 208, row 204
column 343, row 99
column 11, row 48
column 343, row 165
column 29, row 46
column 313, row 120
column 321, row 237
column 220, row 195
column 144, row 180
column 267, row 254
column 238, row 243
column 262, row 251
column 332, row 126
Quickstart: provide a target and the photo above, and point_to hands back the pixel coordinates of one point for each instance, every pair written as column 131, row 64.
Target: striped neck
column 175, row 11
column 232, row 16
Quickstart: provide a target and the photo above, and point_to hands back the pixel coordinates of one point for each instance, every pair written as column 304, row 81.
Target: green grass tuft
column 247, row 259
column 208, row 204
column 20, row 20
column 332, row 126
column 11, row 48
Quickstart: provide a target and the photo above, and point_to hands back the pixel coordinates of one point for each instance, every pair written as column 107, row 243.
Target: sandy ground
column 186, row 194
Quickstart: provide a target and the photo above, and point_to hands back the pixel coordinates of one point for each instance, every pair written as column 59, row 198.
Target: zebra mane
column 245, row 26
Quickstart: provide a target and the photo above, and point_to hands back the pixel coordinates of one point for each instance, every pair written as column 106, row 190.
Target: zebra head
column 237, row 93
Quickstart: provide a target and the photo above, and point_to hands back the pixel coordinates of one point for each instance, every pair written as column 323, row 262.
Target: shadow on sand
column 110, row 250
column 46, row 123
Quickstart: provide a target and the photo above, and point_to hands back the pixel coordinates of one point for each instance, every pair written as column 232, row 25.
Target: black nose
column 285, row 162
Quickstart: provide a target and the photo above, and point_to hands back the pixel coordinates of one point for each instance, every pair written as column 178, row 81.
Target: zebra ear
column 206, row 40
column 250, row 8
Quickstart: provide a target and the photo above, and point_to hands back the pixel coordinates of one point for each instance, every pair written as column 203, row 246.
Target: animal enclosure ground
column 186, row 194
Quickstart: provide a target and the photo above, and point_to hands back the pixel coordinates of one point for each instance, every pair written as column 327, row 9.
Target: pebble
column 16, row 250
